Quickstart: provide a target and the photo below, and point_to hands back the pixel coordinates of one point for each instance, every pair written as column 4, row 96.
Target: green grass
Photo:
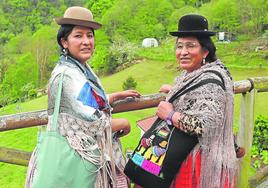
column 36, row 104
column 13, row 176
column 150, row 74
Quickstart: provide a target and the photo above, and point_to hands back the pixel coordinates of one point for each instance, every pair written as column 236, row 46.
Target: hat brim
column 192, row 33
column 93, row 25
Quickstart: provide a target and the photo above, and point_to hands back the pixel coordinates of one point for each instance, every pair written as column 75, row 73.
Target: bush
column 3, row 100
column 259, row 151
column 265, row 34
column 24, row 91
column 32, row 93
column 99, row 59
column 120, row 52
column 129, row 83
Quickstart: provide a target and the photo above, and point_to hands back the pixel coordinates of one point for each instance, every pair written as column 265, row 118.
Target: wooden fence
column 247, row 88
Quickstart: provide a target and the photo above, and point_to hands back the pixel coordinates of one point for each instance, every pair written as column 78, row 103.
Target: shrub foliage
column 129, row 83
column 259, row 150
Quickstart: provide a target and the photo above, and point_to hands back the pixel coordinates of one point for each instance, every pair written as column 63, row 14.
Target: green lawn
column 149, row 74
column 13, row 176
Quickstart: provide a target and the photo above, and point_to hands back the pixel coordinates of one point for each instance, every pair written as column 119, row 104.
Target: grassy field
column 150, row 74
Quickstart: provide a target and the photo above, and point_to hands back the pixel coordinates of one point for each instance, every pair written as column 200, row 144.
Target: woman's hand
column 165, row 88
column 128, row 93
column 122, row 95
column 120, row 126
column 163, row 109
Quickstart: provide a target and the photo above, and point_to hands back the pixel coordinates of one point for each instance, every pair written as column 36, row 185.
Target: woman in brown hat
column 191, row 143
column 77, row 148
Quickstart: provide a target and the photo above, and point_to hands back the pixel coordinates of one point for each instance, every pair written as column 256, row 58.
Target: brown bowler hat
column 78, row 16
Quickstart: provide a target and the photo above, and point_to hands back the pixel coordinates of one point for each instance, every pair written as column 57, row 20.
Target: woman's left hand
column 128, row 93
column 163, row 109
column 122, row 95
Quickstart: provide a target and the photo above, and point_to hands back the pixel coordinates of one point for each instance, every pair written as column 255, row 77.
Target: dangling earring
column 204, row 61
column 65, row 52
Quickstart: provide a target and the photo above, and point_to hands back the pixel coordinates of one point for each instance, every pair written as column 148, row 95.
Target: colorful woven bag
column 163, row 148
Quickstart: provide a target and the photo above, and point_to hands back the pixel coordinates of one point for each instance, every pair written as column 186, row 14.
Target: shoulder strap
column 220, row 76
column 199, row 84
column 57, row 105
column 183, row 90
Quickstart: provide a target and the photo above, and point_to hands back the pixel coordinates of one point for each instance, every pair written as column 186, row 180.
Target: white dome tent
column 149, row 42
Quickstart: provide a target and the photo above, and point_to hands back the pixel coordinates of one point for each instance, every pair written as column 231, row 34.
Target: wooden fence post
column 245, row 136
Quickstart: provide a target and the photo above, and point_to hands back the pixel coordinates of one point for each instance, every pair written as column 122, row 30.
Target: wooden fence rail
column 36, row 118
column 248, row 89
column 13, row 156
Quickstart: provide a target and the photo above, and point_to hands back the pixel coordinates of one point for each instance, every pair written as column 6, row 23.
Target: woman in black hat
column 77, row 149
column 192, row 142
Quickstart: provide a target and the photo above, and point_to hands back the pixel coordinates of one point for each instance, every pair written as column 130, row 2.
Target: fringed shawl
column 88, row 130
column 214, row 108
column 93, row 142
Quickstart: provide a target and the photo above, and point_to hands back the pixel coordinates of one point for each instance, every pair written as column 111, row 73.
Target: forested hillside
column 28, row 48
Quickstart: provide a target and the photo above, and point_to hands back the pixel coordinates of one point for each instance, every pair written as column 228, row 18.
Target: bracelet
column 169, row 118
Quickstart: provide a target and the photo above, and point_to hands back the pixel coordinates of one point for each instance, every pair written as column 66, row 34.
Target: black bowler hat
column 193, row 25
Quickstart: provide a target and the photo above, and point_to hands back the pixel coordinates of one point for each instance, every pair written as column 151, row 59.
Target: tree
column 253, row 15
column 129, row 83
column 16, row 15
column 74, row 2
column 120, row 53
column 3, row 68
column 177, row 3
column 135, row 20
column 44, row 48
column 99, row 7
column 222, row 18
column 177, row 14
column 18, row 75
